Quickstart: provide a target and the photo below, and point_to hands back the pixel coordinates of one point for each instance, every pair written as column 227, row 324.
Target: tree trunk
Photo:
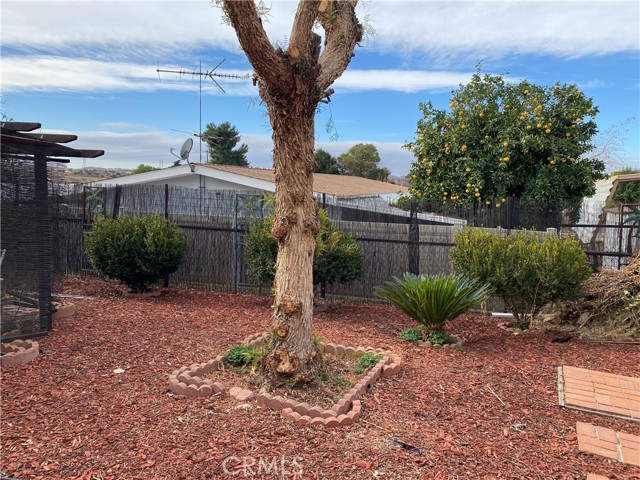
column 292, row 82
column 295, row 227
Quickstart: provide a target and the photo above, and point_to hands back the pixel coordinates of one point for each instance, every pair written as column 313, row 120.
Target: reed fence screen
column 26, row 249
column 394, row 241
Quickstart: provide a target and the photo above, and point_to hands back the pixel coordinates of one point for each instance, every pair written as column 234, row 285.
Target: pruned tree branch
column 245, row 20
column 343, row 31
column 302, row 41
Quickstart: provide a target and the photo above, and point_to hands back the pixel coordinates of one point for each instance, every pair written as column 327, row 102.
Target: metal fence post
column 414, row 239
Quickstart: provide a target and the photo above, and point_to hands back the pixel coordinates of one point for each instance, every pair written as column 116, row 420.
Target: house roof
column 338, row 185
column 263, row 179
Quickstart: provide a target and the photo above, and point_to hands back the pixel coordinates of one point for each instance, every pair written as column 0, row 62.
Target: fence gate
column 248, row 207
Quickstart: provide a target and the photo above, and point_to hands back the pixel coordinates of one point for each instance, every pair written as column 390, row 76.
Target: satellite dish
column 186, row 148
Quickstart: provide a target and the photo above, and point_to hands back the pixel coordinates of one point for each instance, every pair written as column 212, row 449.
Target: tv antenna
column 210, row 74
column 184, row 152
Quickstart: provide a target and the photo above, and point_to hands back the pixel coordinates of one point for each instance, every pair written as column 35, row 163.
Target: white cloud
column 41, row 73
column 80, row 25
column 127, row 150
column 157, row 30
column 33, row 73
column 493, row 29
column 125, row 126
column 400, row 80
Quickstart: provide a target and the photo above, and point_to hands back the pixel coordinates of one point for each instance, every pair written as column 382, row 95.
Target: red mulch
column 67, row 415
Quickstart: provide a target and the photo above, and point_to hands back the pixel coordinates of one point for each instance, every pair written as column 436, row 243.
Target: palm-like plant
column 434, row 300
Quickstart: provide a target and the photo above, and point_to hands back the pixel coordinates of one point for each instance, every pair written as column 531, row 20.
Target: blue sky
column 89, row 68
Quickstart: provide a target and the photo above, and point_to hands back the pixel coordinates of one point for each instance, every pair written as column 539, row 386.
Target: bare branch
column 244, row 17
column 342, row 33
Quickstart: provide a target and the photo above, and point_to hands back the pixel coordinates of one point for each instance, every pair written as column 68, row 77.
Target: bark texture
column 291, row 83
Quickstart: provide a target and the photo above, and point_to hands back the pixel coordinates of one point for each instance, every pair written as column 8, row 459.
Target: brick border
column 188, row 381
column 619, row 446
column 19, row 352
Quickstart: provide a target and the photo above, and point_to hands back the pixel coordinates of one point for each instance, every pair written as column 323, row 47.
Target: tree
column 502, row 139
column 609, row 145
column 291, row 83
column 142, row 168
column 221, row 140
column 326, row 163
column 362, row 160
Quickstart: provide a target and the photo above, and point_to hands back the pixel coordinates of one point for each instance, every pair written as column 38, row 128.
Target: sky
column 90, row 68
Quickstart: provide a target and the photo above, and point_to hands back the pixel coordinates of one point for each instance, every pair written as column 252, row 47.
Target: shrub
column 337, row 259
column 136, row 251
column 434, row 300
column 366, row 361
column 438, row 337
column 411, row 335
column 525, row 272
column 261, row 250
column 242, row 355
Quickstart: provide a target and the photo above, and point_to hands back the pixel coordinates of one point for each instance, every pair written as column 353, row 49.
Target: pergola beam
column 14, row 142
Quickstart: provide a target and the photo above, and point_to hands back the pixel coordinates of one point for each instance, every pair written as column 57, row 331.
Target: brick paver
column 598, row 392
column 605, row 442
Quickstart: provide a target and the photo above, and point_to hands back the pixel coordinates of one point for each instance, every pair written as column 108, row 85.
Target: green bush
column 525, row 272
column 337, row 259
column 261, row 251
column 438, row 337
column 434, row 300
column 137, row 251
column 411, row 335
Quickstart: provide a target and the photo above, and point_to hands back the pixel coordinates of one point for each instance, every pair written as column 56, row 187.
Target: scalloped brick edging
column 18, row 352
column 188, row 381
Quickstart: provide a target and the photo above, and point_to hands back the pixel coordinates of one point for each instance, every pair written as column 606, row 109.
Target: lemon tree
column 503, row 139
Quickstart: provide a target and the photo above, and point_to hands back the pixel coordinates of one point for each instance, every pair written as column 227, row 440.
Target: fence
column 26, row 254
column 214, row 222
column 607, row 233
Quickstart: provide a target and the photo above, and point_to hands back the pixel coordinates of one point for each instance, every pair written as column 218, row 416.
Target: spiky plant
column 433, row 301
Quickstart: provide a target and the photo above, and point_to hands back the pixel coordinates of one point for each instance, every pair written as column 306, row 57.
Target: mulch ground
column 488, row 411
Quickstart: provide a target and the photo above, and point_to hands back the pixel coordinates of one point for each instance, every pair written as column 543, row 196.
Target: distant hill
column 85, row 175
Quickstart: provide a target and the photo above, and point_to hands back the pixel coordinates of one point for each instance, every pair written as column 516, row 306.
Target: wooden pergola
column 19, row 143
